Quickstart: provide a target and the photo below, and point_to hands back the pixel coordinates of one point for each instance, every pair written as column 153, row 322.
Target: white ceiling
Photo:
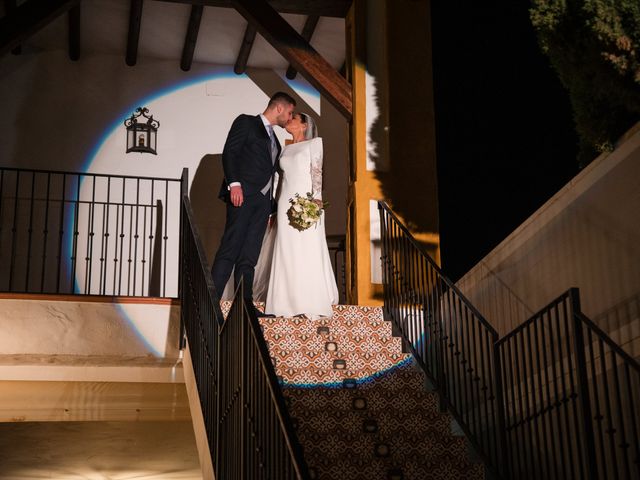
column 105, row 24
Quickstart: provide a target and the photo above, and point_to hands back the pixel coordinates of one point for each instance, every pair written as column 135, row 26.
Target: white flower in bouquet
column 304, row 211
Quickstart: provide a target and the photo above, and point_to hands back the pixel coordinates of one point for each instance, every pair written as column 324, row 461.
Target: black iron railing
column 452, row 342
column 337, row 251
column 249, row 431
column 556, row 398
column 91, row 234
column 543, row 361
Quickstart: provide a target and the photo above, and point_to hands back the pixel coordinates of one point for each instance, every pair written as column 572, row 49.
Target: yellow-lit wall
column 392, row 134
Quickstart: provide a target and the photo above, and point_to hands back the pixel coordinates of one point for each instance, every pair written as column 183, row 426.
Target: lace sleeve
column 316, row 168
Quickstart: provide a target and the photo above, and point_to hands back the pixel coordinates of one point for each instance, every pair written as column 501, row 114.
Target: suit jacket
column 246, row 157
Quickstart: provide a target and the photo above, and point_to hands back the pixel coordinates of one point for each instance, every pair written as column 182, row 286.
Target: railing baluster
column 62, row 208
column 105, row 241
column 121, row 259
column 635, row 452
column 45, row 233
column 14, row 231
column 136, row 236
column 30, row 232
column 540, row 406
column 528, row 420
column 165, row 238
column 74, row 250
column 91, row 212
column 1, row 204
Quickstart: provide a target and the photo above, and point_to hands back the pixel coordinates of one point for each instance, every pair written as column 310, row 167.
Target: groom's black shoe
column 260, row 314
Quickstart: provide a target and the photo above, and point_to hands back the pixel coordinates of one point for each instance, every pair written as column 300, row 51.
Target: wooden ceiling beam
column 245, row 49
column 28, row 18
column 307, row 32
column 322, row 8
column 135, row 20
column 74, row 33
column 298, row 52
column 192, row 37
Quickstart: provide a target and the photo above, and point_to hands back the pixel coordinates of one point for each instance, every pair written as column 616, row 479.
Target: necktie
column 274, row 145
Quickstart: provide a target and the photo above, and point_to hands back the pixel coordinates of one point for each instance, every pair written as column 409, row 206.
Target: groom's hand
column 235, row 193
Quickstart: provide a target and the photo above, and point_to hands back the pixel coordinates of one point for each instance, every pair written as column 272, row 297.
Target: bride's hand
column 318, row 202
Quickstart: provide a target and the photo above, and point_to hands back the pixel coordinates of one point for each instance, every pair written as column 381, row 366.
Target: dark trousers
column 241, row 242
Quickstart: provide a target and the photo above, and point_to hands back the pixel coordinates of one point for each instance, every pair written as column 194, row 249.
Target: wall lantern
column 142, row 137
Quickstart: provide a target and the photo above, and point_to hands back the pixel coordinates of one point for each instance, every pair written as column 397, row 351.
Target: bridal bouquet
column 304, row 211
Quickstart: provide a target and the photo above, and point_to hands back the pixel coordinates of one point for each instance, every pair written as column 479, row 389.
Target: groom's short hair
column 281, row 97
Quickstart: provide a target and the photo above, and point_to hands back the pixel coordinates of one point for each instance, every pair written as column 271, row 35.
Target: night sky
column 504, row 129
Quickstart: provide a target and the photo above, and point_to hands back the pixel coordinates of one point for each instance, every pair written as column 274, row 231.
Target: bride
column 301, row 279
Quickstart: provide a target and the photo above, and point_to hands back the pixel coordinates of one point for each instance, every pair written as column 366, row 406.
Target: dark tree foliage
column 594, row 45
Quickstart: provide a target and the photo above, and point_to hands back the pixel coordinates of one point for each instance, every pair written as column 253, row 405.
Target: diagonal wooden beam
column 135, row 20
column 192, row 37
column 298, row 52
column 74, row 33
column 307, row 32
column 245, row 49
column 29, row 18
column 322, row 8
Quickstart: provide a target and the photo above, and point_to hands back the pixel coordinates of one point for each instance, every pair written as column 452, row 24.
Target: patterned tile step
column 373, row 342
column 398, row 450
column 353, row 422
column 322, row 376
column 379, row 468
column 285, row 360
column 352, row 469
column 312, row 401
column 414, row 469
column 336, row 327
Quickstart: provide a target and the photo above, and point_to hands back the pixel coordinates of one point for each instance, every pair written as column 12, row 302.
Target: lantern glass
column 141, row 136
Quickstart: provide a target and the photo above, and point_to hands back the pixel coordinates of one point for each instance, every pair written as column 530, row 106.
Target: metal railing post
column 503, row 457
column 184, row 192
column 588, row 440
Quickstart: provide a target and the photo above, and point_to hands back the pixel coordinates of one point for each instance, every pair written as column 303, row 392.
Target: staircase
column 359, row 404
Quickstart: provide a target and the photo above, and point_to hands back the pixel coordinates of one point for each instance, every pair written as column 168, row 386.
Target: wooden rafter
column 245, row 49
column 298, row 52
column 192, row 37
column 74, row 33
column 307, row 32
column 322, row 8
column 29, row 18
column 135, row 20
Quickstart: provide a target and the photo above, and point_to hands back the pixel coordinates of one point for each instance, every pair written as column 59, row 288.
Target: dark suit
column 246, row 158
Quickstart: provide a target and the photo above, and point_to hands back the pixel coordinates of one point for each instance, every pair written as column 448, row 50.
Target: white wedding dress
column 301, row 279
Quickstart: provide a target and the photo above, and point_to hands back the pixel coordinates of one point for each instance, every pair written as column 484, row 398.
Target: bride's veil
column 312, row 130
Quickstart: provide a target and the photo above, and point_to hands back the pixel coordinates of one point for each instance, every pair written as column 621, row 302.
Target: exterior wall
column 63, row 115
column 392, row 134
column 586, row 236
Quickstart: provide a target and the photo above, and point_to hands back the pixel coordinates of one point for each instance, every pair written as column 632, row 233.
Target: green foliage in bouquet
column 594, row 45
column 304, row 211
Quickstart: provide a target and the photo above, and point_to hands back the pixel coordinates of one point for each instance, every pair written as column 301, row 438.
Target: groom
column 249, row 160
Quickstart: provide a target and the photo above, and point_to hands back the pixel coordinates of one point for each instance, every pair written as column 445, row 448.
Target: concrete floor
column 98, row 451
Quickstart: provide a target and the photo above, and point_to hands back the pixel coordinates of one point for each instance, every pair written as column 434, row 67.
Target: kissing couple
column 299, row 276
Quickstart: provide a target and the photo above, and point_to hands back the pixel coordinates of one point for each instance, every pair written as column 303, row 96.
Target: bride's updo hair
column 312, row 130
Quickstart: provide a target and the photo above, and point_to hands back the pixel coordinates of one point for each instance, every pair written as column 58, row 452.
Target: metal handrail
column 88, row 233
column 248, row 427
column 449, row 338
column 568, row 396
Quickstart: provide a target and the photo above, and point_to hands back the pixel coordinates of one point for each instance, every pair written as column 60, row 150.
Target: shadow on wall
column 209, row 210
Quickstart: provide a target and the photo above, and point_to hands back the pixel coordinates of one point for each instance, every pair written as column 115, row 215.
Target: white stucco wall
column 64, row 115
